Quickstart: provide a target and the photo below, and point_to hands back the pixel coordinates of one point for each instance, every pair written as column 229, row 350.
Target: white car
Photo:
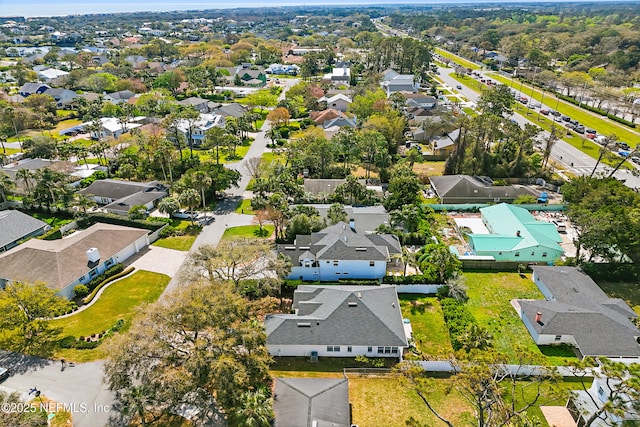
column 183, row 214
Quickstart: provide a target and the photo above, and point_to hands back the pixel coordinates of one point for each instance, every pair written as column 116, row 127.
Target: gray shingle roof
column 299, row 402
column 340, row 315
column 14, row 225
column 139, row 198
column 456, row 188
column 600, row 325
column 116, row 189
column 340, row 242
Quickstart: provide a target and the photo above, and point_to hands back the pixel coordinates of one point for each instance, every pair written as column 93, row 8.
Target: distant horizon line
column 164, row 6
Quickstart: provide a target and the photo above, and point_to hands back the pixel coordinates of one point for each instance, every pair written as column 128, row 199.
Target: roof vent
column 353, row 304
column 361, row 249
column 304, row 325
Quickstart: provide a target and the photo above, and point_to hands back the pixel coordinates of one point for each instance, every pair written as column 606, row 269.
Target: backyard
column 119, row 300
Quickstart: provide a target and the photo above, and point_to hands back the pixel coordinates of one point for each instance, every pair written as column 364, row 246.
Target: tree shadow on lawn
column 561, row 350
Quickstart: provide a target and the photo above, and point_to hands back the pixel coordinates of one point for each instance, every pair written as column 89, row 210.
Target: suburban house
column 445, row 145
column 230, row 110
column 197, row 129
column 61, row 96
column 576, row 311
column 340, row 252
column 339, row 76
column 16, row 226
column 341, row 121
column 119, row 97
column 320, row 117
column 311, row 402
column 515, row 235
column 290, row 69
column 112, row 127
column 253, row 78
column 51, row 75
column 33, row 165
column 118, row 196
column 474, row 189
column 33, row 88
column 392, row 82
column 199, row 104
column 65, row 263
column 583, row 403
column 338, row 102
column 421, row 101
column 339, row 321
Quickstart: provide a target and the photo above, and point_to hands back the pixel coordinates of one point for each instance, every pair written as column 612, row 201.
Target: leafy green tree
column 404, row 189
column 30, row 416
column 303, row 224
column 497, row 101
column 198, row 344
column 25, row 314
column 336, row 213
column 6, row 184
column 438, row 262
column 262, row 98
column 137, row 212
column 368, row 103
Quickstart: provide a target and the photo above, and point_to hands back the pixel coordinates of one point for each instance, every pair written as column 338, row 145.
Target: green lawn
column 209, row 155
column 429, row 330
column 245, row 207
column 247, row 231
column 184, row 241
column 629, row 292
column 490, row 295
column 269, row 157
column 590, row 120
column 457, row 59
column 7, row 151
column 50, row 219
column 118, row 301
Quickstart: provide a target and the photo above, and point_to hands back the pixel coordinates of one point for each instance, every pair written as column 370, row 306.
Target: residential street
column 78, row 389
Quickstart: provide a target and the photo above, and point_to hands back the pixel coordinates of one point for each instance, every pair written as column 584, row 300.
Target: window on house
column 533, row 253
column 349, row 348
column 394, row 350
column 372, row 263
column 544, row 254
column 600, row 391
column 335, row 262
column 517, row 254
column 380, row 350
column 333, row 348
column 387, row 350
column 558, row 337
column 369, row 349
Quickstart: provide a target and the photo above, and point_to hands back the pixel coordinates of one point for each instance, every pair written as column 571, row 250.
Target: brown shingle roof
column 60, row 262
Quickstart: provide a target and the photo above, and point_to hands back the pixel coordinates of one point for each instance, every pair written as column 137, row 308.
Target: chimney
column 518, row 233
column 538, row 317
column 352, row 224
column 93, row 255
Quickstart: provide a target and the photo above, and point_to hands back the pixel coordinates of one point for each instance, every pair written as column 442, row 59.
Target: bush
column 80, row 291
column 119, row 324
column 458, row 320
column 119, row 220
column 102, row 277
column 95, row 291
column 167, row 231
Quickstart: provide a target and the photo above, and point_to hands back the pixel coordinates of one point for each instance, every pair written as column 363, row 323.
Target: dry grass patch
column 429, row 168
column 387, row 401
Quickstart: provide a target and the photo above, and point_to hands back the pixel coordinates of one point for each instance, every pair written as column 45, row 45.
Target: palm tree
column 26, row 176
column 6, row 184
column 255, row 410
column 83, row 202
column 168, row 205
column 202, row 181
column 189, row 198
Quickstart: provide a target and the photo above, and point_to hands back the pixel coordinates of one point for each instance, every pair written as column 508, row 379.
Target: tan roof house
column 65, row 263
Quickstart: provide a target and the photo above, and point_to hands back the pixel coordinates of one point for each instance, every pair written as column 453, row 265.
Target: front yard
column 186, row 234
column 247, row 232
column 118, row 301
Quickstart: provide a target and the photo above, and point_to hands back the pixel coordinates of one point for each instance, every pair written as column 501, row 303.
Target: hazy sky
column 69, row 7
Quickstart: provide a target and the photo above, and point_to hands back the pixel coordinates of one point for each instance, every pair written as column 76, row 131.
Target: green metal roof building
column 516, row 236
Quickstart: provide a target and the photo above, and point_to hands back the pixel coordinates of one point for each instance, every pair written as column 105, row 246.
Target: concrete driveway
column 159, row 260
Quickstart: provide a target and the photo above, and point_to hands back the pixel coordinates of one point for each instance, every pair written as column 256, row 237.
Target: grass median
column 457, row 59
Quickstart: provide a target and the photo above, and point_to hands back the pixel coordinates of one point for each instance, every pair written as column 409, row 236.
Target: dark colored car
column 4, row 374
column 566, row 118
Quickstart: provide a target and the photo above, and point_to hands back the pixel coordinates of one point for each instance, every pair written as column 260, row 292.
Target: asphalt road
column 77, row 389
column 568, row 157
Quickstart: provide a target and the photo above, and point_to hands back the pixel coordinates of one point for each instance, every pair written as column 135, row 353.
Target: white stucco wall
column 305, row 350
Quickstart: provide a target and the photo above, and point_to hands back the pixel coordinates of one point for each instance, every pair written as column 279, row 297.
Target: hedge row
column 418, row 279
column 119, row 220
column 106, row 278
column 458, row 320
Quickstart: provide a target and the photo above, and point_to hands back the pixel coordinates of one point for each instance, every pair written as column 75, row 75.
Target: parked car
column 557, row 118
column 574, row 122
column 566, row 118
column 623, row 146
column 458, row 87
column 580, row 129
column 555, row 113
column 4, row 374
column 535, row 105
column 636, row 160
column 591, row 135
column 184, row 214
column 544, row 112
column 591, row 131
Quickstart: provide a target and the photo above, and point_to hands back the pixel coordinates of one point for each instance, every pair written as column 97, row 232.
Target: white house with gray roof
column 16, row 226
column 576, row 311
column 340, row 251
column 339, row 321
